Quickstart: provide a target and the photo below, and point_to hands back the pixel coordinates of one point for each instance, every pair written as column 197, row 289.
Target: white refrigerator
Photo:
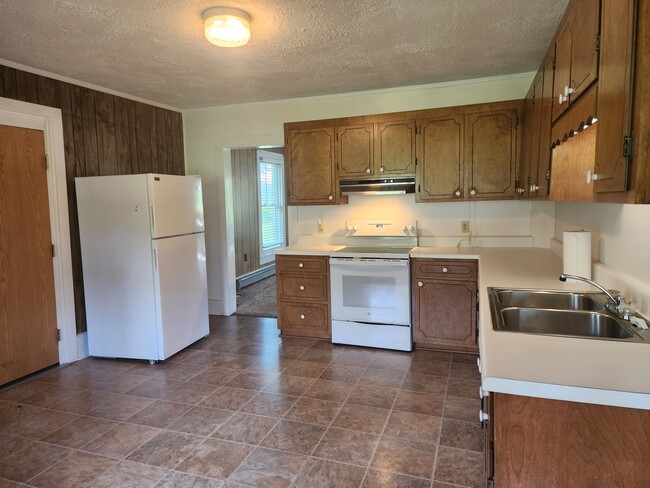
column 143, row 256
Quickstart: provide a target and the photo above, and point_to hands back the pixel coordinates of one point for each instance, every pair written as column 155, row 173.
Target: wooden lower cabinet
column 445, row 304
column 302, row 284
column 540, row 443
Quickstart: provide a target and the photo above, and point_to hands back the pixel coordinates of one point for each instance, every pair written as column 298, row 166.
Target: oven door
column 375, row 291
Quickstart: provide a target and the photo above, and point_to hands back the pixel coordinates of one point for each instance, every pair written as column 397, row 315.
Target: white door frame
column 22, row 114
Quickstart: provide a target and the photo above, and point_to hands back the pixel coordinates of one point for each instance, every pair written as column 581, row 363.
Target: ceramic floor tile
column 22, row 390
column 155, row 388
column 166, row 450
column 314, row 411
column 201, row 421
column 229, row 398
column 425, row 383
column 361, row 418
column 462, row 435
column 215, row 458
column 250, row 429
column 186, row 480
column 29, row 460
column 346, row 446
column 268, row 468
column 317, row 355
column 434, row 367
column 270, row 404
column 216, row 376
column 465, row 371
column 373, row 396
column 463, row 388
column 384, row 479
column 192, row 393
column 337, row 372
column 295, row 437
column 130, row 475
column 251, row 380
column 391, row 361
column 462, row 409
column 465, row 358
column 119, row 383
column 435, row 356
column 84, row 402
column 335, row 391
column 9, row 484
column 460, row 467
column 405, row 457
column 289, row 385
column 159, row 414
column 12, row 413
column 236, row 361
column 121, row 440
column 423, row 403
column 77, row 470
column 414, row 427
column 10, row 444
column 39, row 425
column 355, row 357
column 51, row 396
column 305, row 369
column 120, row 407
column 382, row 377
column 79, row 432
column 319, row 473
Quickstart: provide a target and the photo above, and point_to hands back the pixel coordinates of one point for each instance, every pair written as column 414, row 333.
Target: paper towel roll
column 577, row 253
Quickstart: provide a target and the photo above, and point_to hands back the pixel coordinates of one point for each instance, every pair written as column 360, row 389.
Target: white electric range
column 370, row 285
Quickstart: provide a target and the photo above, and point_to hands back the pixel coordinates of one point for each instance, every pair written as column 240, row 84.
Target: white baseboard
column 82, row 345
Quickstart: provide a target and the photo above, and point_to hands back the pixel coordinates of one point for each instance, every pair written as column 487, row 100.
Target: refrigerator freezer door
column 117, row 266
column 176, row 205
column 181, row 292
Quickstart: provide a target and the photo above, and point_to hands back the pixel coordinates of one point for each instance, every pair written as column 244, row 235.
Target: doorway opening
column 260, row 226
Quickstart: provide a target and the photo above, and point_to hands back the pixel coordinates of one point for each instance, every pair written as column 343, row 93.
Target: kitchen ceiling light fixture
column 227, row 27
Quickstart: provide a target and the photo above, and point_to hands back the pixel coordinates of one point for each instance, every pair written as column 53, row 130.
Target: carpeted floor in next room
column 258, row 299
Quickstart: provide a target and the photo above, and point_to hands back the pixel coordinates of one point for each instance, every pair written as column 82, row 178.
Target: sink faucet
column 616, row 301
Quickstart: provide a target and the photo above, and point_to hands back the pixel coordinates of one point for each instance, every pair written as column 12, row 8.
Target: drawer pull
column 300, row 265
column 302, row 287
column 302, row 316
column 445, row 269
column 420, row 284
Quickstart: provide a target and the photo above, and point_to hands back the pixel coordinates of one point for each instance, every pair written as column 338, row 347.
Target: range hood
column 378, row 186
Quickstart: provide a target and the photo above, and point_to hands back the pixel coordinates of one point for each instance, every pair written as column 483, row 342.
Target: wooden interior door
column 28, row 330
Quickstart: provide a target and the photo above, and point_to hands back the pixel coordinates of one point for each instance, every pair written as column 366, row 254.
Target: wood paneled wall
column 103, row 135
column 245, row 194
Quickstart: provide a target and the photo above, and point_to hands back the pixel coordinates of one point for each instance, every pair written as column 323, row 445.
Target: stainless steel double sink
column 557, row 313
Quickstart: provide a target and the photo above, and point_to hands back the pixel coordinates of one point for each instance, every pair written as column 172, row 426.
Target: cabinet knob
column 331, row 197
column 302, row 287
column 302, row 316
column 534, row 188
column 482, row 416
column 568, row 91
column 445, row 269
column 368, row 170
column 591, row 177
column 473, row 191
column 420, row 284
column 458, row 193
column 382, row 169
column 300, row 265
column 562, row 99
column 520, row 190
column 478, row 364
column 480, row 392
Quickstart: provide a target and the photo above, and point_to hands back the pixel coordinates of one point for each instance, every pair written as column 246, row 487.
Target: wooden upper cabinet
column 545, row 113
column 523, row 173
column 491, row 153
column 310, row 169
column 440, row 157
column 395, row 148
column 355, row 150
column 576, row 47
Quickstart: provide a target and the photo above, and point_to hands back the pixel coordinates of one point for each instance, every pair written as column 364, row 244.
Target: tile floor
column 246, row 407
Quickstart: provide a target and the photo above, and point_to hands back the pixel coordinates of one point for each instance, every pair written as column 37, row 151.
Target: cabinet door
column 440, row 158
column 395, row 148
column 491, row 154
column 523, row 174
column 544, row 158
column 562, row 78
column 445, row 313
column 584, row 50
column 304, row 319
column 355, row 150
column 311, row 176
column 536, row 123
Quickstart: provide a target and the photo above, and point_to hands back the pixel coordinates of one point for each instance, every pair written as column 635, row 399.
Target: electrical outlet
column 464, row 226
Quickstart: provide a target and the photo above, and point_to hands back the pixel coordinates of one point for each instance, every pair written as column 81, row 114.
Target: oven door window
column 376, row 292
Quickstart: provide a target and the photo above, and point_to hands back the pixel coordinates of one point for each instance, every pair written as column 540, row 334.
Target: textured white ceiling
column 155, row 49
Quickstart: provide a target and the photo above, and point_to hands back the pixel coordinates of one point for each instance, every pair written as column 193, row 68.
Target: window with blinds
column 271, row 199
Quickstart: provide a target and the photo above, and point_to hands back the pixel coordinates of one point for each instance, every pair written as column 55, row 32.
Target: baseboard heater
column 255, row 276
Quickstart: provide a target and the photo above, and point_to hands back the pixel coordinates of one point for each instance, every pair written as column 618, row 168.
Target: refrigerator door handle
column 155, row 259
column 153, row 218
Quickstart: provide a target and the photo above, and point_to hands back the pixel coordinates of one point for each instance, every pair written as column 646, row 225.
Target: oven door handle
column 343, row 262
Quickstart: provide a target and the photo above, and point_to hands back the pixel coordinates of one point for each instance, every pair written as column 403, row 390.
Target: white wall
column 208, row 132
column 620, row 243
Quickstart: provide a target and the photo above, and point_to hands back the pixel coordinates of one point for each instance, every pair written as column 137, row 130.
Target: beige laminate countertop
column 308, row 250
column 562, row 368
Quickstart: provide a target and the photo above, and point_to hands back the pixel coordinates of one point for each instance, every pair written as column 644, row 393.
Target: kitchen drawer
column 301, row 264
column 304, row 319
column 459, row 269
column 302, row 288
